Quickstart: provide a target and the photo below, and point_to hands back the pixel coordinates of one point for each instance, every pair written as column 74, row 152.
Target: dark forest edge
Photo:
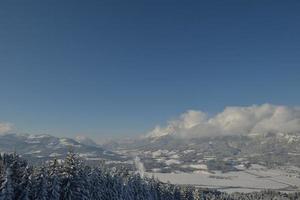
column 72, row 179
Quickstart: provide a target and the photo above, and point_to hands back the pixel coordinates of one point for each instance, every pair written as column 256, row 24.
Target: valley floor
column 256, row 178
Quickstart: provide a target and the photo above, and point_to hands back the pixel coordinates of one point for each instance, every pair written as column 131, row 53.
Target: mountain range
column 38, row 148
column 168, row 153
column 165, row 153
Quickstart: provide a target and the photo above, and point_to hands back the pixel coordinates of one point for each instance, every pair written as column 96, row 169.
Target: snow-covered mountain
column 43, row 147
column 169, row 153
column 86, row 140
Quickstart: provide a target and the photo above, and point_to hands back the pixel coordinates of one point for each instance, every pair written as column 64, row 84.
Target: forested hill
column 73, row 180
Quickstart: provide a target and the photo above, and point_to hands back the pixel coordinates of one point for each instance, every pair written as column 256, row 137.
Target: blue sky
column 113, row 68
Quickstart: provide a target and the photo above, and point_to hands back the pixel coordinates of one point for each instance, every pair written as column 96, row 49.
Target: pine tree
column 187, row 193
column 176, row 193
column 25, row 184
column 74, row 185
column 69, row 174
column 54, row 181
column 96, row 187
column 167, row 190
column 2, row 171
column 84, row 182
column 7, row 190
column 54, row 189
column 41, row 185
column 196, row 194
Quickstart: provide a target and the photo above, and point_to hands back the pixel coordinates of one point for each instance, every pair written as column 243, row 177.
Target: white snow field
column 256, row 178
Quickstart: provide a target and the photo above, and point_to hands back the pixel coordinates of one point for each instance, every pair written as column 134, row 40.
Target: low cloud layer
column 5, row 127
column 256, row 119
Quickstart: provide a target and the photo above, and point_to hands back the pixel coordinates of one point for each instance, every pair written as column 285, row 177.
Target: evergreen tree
column 187, row 193
column 25, row 184
column 96, row 187
column 154, row 188
column 18, row 167
column 196, row 194
column 54, row 185
column 84, row 182
column 54, row 188
column 74, row 185
column 41, row 185
column 7, row 190
column 176, row 193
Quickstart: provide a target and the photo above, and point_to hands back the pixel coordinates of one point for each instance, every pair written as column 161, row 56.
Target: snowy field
column 254, row 179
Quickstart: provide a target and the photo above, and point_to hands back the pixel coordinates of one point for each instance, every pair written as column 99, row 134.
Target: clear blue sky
column 121, row 67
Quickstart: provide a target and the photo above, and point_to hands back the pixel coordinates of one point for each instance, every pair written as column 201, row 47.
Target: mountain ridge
column 41, row 147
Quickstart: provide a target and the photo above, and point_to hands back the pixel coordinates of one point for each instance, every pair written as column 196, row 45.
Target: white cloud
column 5, row 127
column 234, row 120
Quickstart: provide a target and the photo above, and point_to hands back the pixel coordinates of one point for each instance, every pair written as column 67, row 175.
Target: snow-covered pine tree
column 17, row 166
column 176, row 193
column 138, row 187
column 187, row 193
column 41, row 185
column 7, row 190
column 154, row 188
column 197, row 194
column 54, row 188
column 54, row 183
column 2, row 171
column 74, row 185
column 167, row 191
column 84, row 182
column 111, row 191
column 69, row 171
column 96, row 187
column 25, row 184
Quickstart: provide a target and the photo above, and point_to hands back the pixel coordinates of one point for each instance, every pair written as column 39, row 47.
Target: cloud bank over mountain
column 5, row 127
column 255, row 119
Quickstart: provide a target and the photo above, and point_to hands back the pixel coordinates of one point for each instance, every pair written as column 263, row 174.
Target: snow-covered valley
column 256, row 178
